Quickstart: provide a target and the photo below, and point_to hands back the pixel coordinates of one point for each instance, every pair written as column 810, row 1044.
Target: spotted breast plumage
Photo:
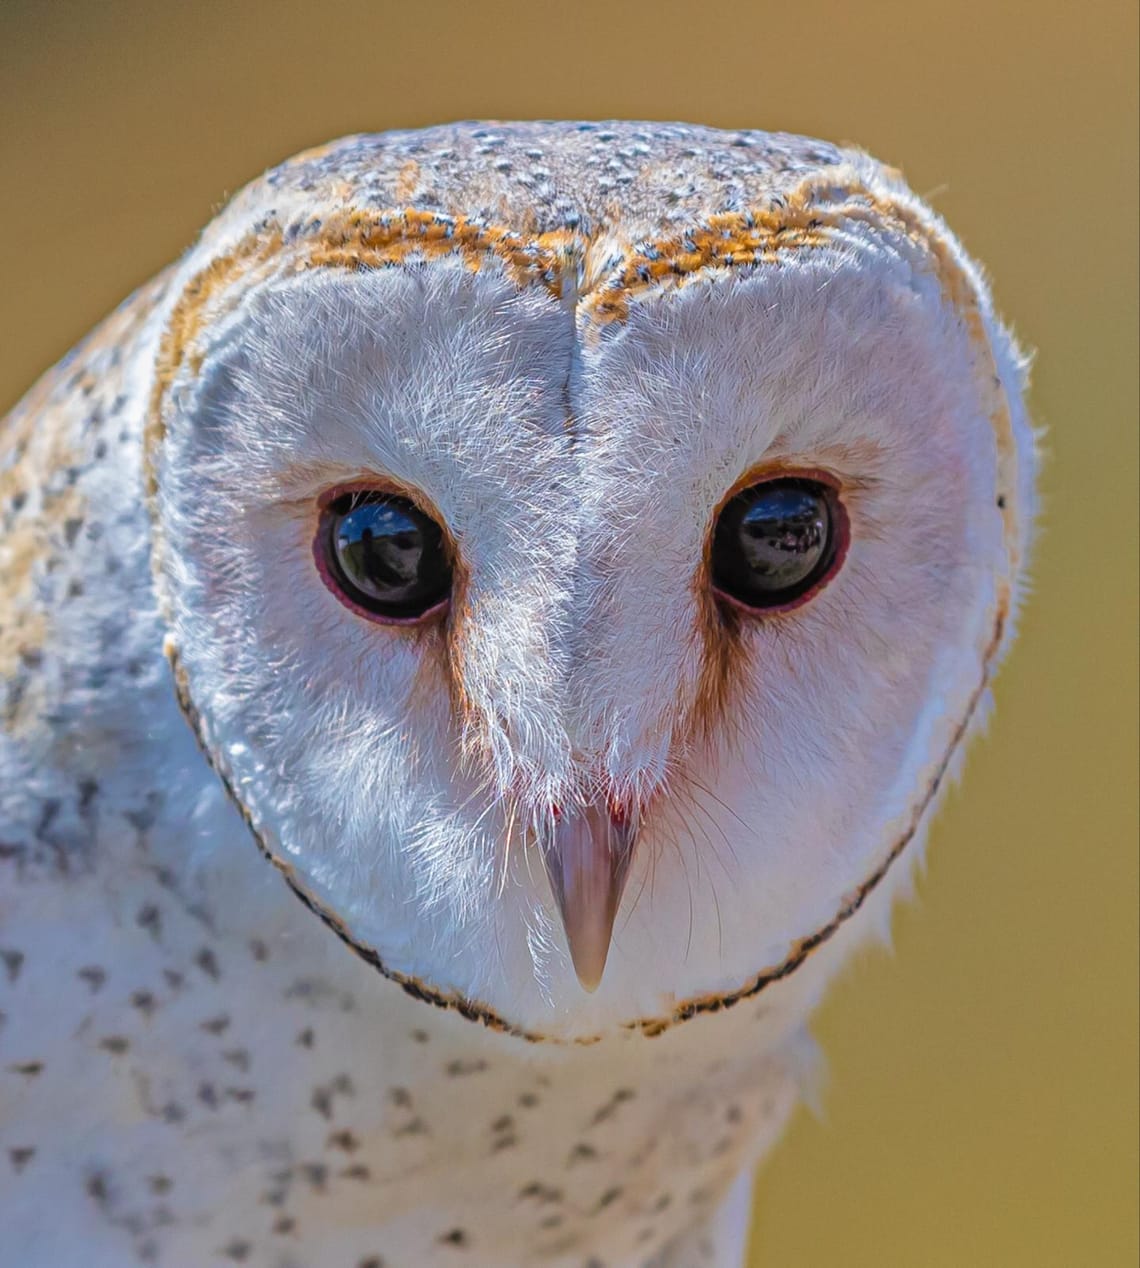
column 580, row 552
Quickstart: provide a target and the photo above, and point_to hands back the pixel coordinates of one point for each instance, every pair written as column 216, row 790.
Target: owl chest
column 180, row 1094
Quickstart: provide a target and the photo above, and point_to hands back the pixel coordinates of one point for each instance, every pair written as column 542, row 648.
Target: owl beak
column 587, row 856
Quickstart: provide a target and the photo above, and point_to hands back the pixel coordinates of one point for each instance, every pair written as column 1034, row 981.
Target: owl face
column 525, row 584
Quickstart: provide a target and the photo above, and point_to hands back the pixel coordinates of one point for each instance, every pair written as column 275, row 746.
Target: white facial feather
column 579, row 467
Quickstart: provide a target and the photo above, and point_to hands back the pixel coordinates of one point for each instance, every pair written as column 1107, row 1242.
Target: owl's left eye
column 776, row 543
column 383, row 557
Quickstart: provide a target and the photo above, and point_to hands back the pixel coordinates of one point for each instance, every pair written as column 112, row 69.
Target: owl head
column 584, row 548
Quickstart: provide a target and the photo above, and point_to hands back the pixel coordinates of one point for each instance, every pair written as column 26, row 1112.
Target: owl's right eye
column 383, row 557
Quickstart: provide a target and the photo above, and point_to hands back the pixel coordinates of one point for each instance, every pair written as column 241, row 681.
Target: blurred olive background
column 981, row 1106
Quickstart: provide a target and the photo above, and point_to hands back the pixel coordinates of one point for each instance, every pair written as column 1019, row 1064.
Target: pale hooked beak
column 587, row 857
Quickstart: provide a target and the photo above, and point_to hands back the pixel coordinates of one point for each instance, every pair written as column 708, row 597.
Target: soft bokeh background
column 982, row 1101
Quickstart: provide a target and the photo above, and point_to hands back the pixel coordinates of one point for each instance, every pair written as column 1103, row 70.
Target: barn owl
column 581, row 553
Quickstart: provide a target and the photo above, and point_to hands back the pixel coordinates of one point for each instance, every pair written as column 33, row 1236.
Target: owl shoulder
column 83, row 684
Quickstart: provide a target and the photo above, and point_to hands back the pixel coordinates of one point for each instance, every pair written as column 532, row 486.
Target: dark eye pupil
column 773, row 542
column 387, row 555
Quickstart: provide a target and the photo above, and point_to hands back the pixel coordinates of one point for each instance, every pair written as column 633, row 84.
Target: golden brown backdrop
column 982, row 1100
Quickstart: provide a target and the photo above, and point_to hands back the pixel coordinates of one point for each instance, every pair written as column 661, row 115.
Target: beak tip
column 587, row 861
column 589, row 975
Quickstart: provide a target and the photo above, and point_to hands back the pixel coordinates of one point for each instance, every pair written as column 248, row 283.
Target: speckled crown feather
column 536, row 178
